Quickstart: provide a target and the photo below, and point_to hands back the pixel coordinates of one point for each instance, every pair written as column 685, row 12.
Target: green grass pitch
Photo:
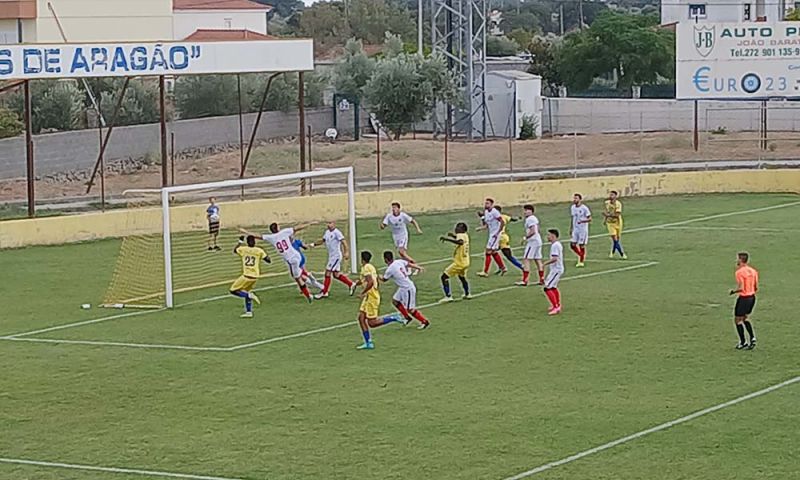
column 494, row 388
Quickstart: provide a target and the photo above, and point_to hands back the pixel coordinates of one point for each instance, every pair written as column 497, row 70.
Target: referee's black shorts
column 744, row 306
column 213, row 228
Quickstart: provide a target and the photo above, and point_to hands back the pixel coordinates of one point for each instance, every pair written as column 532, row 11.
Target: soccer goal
column 180, row 239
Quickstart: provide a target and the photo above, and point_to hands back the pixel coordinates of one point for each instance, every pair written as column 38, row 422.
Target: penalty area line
column 432, row 305
column 657, row 428
column 429, row 262
column 127, row 471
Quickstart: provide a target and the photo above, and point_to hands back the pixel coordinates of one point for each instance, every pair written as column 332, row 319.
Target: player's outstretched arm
column 416, row 225
column 416, row 267
column 450, row 239
column 303, row 226
column 247, row 232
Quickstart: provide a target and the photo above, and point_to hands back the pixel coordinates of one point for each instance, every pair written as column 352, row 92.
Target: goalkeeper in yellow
column 252, row 257
column 612, row 214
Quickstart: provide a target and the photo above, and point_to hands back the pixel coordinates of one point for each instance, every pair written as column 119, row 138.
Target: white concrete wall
column 529, row 102
column 8, row 31
column 187, row 21
column 725, row 10
column 104, row 21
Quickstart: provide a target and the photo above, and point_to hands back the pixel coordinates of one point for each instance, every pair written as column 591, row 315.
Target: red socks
column 541, row 276
column 403, row 311
column 582, row 253
column 419, row 316
column 576, row 249
column 551, row 296
column 557, row 297
column 304, row 290
column 498, row 260
column 525, row 275
column 326, row 285
column 343, row 278
column 487, row 263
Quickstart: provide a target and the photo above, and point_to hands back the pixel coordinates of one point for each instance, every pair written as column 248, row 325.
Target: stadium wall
column 119, row 223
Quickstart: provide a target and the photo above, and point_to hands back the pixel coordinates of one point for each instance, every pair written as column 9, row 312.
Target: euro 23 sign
column 738, row 61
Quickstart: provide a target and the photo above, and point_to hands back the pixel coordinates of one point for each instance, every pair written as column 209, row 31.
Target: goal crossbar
column 166, row 192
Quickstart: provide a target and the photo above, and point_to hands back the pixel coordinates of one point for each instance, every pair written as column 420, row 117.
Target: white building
column 35, row 21
column 716, row 11
column 512, row 95
column 189, row 16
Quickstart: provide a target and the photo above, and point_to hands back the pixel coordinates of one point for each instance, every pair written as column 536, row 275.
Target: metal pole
column 301, row 100
column 258, row 122
column 241, row 129
column 172, row 156
column 695, row 133
column 419, row 27
column 510, row 155
column 561, row 17
column 29, row 148
column 102, row 169
column 763, row 125
column 580, row 14
column 378, row 157
column 162, row 105
column 446, row 140
column 641, row 138
column 103, row 147
column 310, row 163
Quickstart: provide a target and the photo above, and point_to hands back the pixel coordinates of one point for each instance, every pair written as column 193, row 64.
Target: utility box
column 510, row 96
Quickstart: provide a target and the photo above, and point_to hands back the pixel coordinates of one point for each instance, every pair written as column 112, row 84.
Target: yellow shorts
column 505, row 241
column 614, row 229
column 454, row 269
column 243, row 283
column 370, row 306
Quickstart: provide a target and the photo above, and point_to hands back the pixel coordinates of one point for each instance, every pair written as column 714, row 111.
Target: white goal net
column 179, row 239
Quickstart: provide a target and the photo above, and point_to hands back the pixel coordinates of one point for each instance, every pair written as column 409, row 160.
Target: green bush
column 10, row 125
column 527, row 131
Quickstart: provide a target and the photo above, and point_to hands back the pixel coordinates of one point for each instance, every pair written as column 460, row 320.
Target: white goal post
column 168, row 195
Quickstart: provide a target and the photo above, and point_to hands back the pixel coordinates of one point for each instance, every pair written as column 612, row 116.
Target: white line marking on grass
column 431, row 305
column 749, row 231
column 429, row 262
column 117, row 344
column 655, row 429
column 128, row 471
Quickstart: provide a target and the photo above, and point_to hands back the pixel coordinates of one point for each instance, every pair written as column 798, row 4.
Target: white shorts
column 401, row 241
column 406, row 296
column 294, row 268
column 334, row 264
column 580, row 237
column 494, row 241
column 533, row 251
column 552, row 279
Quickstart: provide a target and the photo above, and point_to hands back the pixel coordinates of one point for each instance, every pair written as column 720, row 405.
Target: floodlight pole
column 257, row 124
column 695, row 134
column 29, row 148
column 103, row 147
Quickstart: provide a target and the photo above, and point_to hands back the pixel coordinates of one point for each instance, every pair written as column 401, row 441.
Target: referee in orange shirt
column 746, row 288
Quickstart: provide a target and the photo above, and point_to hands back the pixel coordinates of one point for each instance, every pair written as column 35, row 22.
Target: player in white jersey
column 579, row 228
column 494, row 223
column 533, row 247
column 281, row 240
column 556, row 264
column 405, row 298
column 334, row 241
column 398, row 221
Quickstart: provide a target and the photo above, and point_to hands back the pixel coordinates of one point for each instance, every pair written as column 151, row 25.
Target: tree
column 207, row 96
column 501, row 46
column 406, row 87
column 284, row 8
column 544, row 51
column 57, row 105
column 326, row 23
column 10, row 125
column 370, row 20
column 354, row 71
column 793, row 15
column 633, row 46
column 140, row 104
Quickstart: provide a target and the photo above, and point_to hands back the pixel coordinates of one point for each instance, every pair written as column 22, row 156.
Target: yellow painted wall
column 92, row 226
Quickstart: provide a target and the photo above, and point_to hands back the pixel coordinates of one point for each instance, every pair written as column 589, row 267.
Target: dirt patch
column 425, row 156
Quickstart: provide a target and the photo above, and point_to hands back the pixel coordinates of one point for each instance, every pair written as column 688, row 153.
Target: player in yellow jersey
column 370, row 302
column 505, row 240
column 612, row 213
column 460, row 264
column 252, row 257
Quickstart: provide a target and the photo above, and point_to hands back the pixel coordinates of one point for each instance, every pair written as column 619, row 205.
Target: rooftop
column 212, row 35
column 218, row 5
